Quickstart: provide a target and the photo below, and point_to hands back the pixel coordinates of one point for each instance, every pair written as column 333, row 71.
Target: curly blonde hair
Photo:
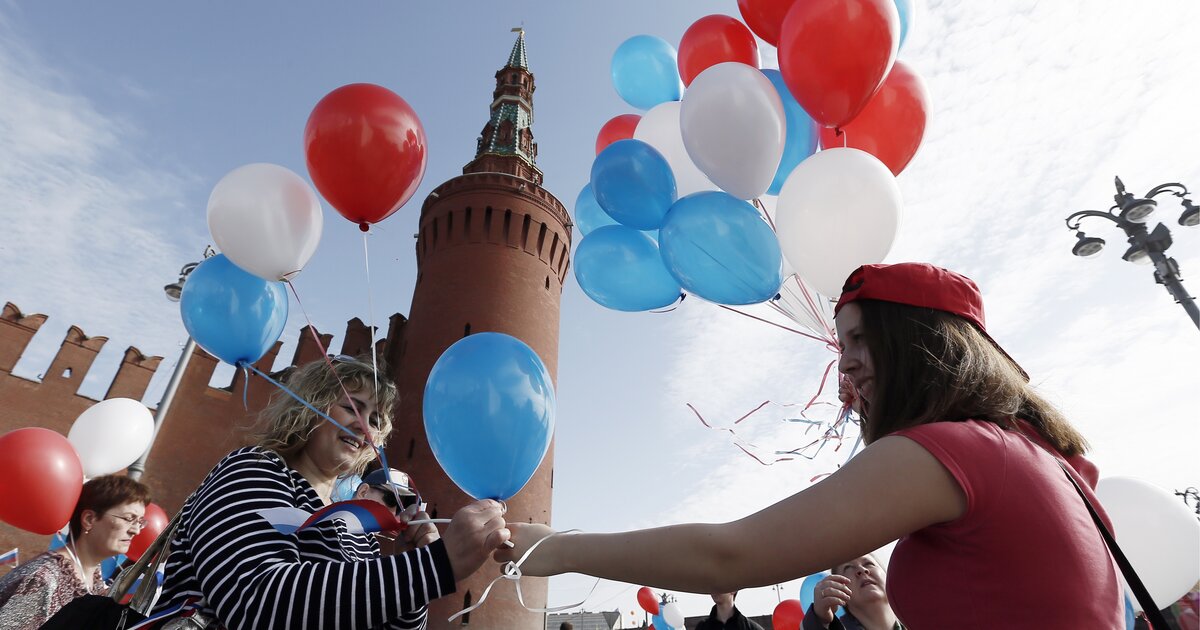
column 285, row 425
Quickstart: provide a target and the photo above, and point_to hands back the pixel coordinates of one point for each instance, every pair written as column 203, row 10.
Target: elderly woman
column 966, row 465
column 243, row 573
column 110, row 512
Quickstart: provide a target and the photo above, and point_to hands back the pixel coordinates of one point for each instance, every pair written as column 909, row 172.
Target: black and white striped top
column 249, row 575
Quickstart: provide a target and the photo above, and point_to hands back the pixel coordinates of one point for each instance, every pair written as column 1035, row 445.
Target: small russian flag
column 9, row 557
column 361, row 516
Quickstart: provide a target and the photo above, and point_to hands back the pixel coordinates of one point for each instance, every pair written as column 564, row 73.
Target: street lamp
column 1146, row 247
column 173, row 291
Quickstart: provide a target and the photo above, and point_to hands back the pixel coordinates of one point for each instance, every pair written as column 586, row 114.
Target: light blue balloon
column 345, row 487
column 621, row 268
column 634, row 184
column 588, row 213
column 906, row 8
column 489, row 414
column 660, row 623
column 645, row 71
column 802, row 133
column 720, row 248
column 1130, row 615
column 233, row 314
column 808, row 589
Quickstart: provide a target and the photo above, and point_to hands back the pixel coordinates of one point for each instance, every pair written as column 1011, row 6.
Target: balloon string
column 767, row 321
column 371, row 315
column 245, row 389
column 246, row 366
column 350, row 401
column 512, row 572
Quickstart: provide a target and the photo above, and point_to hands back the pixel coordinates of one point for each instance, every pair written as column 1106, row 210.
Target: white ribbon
column 512, row 571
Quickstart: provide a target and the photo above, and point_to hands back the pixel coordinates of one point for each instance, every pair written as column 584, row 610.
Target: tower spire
column 506, row 143
column 517, row 58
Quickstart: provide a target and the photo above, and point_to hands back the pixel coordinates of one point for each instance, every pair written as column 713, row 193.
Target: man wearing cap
column 394, row 489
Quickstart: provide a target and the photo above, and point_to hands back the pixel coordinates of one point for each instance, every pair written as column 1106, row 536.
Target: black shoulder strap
column 1131, row 577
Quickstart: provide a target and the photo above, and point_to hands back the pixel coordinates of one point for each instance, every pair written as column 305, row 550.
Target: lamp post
column 1146, row 247
column 173, row 291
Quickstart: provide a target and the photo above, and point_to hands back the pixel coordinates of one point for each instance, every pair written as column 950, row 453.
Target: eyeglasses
column 131, row 520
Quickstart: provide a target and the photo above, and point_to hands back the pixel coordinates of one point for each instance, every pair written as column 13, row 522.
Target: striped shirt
column 249, row 575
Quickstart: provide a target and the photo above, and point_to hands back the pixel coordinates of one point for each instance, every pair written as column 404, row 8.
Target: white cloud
column 78, row 191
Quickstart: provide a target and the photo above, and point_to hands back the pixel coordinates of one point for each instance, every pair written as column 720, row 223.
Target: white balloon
column 659, row 128
column 734, row 128
column 1158, row 533
column 672, row 615
column 266, row 219
column 111, row 435
column 838, row 210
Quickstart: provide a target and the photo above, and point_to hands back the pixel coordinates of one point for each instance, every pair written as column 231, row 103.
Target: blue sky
column 116, row 121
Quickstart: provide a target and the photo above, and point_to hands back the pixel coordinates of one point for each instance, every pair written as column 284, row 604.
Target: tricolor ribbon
column 362, row 516
column 9, row 557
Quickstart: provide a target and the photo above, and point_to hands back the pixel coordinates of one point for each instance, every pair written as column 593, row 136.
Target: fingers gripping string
column 512, row 572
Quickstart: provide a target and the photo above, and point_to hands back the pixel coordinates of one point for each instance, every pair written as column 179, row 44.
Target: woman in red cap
column 962, row 467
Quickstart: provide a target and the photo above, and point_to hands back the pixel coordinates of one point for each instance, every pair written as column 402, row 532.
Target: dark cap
column 922, row 285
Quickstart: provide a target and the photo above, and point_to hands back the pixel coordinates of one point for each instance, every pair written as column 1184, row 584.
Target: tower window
column 467, row 330
column 487, row 223
column 466, row 618
column 507, row 225
column 525, row 231
column 547, row 283
column 467, row 224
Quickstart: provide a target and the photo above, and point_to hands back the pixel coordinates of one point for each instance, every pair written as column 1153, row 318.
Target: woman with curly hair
column 243, row 573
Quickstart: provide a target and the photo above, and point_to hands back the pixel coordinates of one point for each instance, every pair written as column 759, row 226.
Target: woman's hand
column 417, row 535
column 848, row 396
column 524, row 536
column 473, row 534
column 830, row 593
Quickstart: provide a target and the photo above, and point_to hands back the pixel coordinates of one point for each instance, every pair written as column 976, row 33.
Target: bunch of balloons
column 44, row 472
column 666, row 616
column 366, row 153
column 666, row 208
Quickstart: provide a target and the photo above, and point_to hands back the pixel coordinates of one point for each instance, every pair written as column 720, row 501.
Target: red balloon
column 834, row 54
column 40, row 480
column 765, row 17
column 715, row 39
column 647, row 601
column 156, row 522
column 892, row 124
column 788, row 615
column 365, row 149
column 617, row 128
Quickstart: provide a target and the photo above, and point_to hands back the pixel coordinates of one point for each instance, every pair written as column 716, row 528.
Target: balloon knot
column 364, row 227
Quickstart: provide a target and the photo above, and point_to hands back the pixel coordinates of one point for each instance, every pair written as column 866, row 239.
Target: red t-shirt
column 1024, row 554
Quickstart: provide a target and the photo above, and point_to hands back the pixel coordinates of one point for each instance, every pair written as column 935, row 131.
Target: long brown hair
column 932, row 366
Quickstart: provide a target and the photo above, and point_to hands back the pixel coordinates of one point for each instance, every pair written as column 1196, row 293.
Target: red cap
column 922, row 285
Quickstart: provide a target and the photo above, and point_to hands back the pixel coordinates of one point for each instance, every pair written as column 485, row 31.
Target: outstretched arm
column 892, row 488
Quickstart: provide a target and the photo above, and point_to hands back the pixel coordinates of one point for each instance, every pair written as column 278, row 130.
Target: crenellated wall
column 204, row 422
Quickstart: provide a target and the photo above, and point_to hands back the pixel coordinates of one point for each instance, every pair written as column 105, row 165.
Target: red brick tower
column 492, row 253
